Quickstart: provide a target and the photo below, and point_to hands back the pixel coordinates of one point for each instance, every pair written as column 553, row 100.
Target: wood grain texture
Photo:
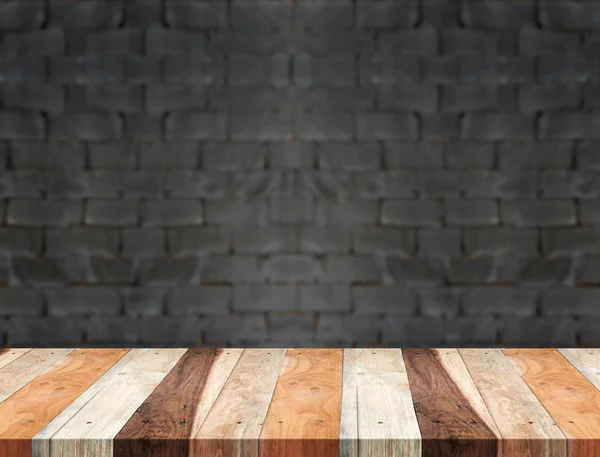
column 41, row 441
column 452, row 415
column 587, row 361
column 232, row 428
column 28, row 410
column 568, row 396
column 349, row 439
column 8, row 355
column 91, row 430
column 304, row 414
column 24, row 369
column 387, row 423
column 166, row 421
column 526, row 427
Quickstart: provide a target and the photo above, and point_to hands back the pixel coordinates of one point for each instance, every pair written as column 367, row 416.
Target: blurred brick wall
column 302, row 173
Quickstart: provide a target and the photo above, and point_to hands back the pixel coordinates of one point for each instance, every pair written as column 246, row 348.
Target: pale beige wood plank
column 525, row 425
column 233, row 425
column 91, row 430
column 587, row 361
column 387, row 423
column 11, row 355
column 349, row 418
column 40, row 445
column 24, row 369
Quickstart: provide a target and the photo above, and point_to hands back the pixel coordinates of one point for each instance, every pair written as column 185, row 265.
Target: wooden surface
column 300, row 402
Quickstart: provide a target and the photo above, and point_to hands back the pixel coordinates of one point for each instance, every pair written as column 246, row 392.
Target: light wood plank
column 9, row 355
column 526, row 427
column 349, row 438
column 568, row 396
column 304, row 414
column 91, row 430
column 387, row 423
column 233, row 425
column 24, row 369
column 452, row 415
column 587, row 361
column 167, row 420
column 29, row 409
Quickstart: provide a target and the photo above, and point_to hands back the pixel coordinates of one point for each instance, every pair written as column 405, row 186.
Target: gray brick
column 438, row 183
column 569, row 15
column 17, row 125
column 419, row 213
column 501, row 241
column 353, row 269
column 500, row 301
column 189, row 301
column 264, row 126
column 348, row 329
column 397, row 70
column 497, row 126
column 587, row 271
column 148, row 184
column 291, row 268
column 171, row 213
column 260, row 297
column 22, row 183
column 290, row 210
column 384, row 240
column 436, row 242
column 539, row 213
column 89, row 241
column 387, row 14
column 324, row 297
column 288, row 328
column 36, row 272
column 389, row 300
column 17, row 15
column 193, row 69
column 469, row 154
column 250, row 99
column 463, row 270
column 196, row 126
column 496, row 14
column 441, row 70
column 590, row 212
column 265, row 240
column 107, row 330
column 247, row 70
column 99, row 270
column 189, row 183
column 22, row 69
column 233, row 212
column 69, row 184
column 535, row 42
column 591, row 97
column 142, row 69
column 233, row 156
column 46, row 155
column 499, row 184
column 392, row 183
column 232, row 268
column 472, row 212
column 34, row 97
column 111, row 212
column 126, row 99
column 263, row 15
column 408, row 154
column 143, row 127
column 456, row 99
column 421, row 41
column 89, row 14
column 21, row 301
column 121, row 41
column 235, row 329
column 173, row 331
column 496, row 70
column 169, row 154
column 323, row 240
column 195, row 15
column 143, row 301
column 22, row 242
column 47, row 213
column 440, row 12
column 46, row 42
column 110, row 154
column 413, row 272
column 144, row 242
column 413, row 331
column 474, row 43
column 47, row 332
column 538, row 155
column 161, row 41
column 161, row 271
column 251, row 185
column 324, row 15
column 587, row 155
column 387, row 126
column 296, row 154
column 86, row 126
column 568, row 184
column 546, row 272
column 475, row 331
column 83, row 301
column 352, row 156
column 569, row 124
column 571, row 241
column 328, row 184
column 566, row 70
column 537, row 332
column 588, row 334
column 437, row 302
column 347, row 212
column 419, row 98
column 439, row 127
column 324, row 126
column 198, row 241
column 107, row 69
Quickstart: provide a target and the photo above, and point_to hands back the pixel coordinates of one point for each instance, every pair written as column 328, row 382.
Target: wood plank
column 304, row 414
column 28, row 410
column 24, row 369
column 166, row 421
column 232, row 427
column 8, row 355
column 453, row 418
column 587, row 361
column 41, row 442
column 349, row 439
column 526, row 427
column 387, row 423
column 92, row 429
column 568, row 396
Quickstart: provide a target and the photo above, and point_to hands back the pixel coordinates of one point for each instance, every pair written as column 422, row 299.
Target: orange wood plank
column 568, row 396
column 29, row 409
column 304, row 415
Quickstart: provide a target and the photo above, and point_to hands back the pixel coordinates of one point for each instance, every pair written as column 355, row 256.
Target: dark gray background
column 300, row 173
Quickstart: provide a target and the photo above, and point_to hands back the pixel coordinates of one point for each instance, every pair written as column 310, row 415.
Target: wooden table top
column 299, row 402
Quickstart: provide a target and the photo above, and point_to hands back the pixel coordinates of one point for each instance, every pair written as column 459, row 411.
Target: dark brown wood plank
column 163, row 425
column 452, row 424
